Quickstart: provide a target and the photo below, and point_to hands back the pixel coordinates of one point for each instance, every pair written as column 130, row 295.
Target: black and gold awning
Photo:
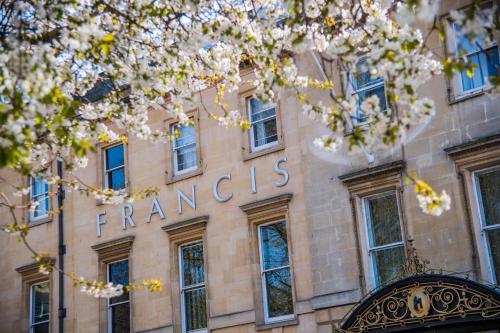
column 426, row 301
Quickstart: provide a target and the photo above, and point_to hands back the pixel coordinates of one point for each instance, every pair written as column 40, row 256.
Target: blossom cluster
column 429, row 201
column 75, row 73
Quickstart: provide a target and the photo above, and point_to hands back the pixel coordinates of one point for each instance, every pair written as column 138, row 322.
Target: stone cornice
column 476, row 153
column 185, row 226
column 267, row 204
column 115, row 247
column 30, row 272
column 375, row 178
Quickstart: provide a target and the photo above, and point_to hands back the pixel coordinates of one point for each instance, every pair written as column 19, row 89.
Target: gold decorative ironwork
column 413, row 265
column 429, row 298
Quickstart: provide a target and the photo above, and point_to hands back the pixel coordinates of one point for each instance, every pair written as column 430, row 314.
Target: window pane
column 256, row 116
column 265, row 132
column 362, row 76
column 40, row 303
column 118, row 274
column 257, row 106
column 43, row 206
column 114, row 157
column 493, row 237
column 362, row 95
column 274, row 245
column 383, row 220
column 195, row 309
column 463, row 44
column 116, row 179
column 489, row 186
column 186, row 157
column 120, row 318
column 39, row 186
column 477, row 80
column 388, row 263
column 41, row 328
column 192, row 264
column 187, row 135
column 279, row 292
column 492, row 60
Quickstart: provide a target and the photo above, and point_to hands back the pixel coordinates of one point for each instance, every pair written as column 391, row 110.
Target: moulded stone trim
column 193, row 225
column 30, row 272
column 375, row 178
column 266, row 207
column 269, row 326
column 476, row 154
column 110, row 250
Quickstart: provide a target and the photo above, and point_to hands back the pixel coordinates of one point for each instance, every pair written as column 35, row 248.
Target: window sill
column 278, row 147
column 460, row 98
column 40, row 221
column 170, row 180
column 288, row 322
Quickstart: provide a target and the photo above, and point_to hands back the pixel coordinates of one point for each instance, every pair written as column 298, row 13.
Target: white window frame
column 183, row 288
column 33, row 197
column 351, row 91
column 483, row 227
column 106, row 171
column 368, row 225
column 176, row 170
column 108, row 301
column 263, row 272
column 32, row 324
column 253, row 148
column 452, row 45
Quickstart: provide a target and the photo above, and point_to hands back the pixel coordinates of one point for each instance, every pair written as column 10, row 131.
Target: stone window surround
column 107, row 252
column 365, row 183
column 244, row 94
column 170, row 177
column 259, row 212
column 180, row 233
column 30, row 275
column 452, row 85
column 101, row 151
column 469, row 157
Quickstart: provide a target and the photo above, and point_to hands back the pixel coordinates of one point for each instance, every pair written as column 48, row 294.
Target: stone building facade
column 258, row 231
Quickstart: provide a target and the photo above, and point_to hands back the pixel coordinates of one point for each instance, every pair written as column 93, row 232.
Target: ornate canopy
column 426, row 301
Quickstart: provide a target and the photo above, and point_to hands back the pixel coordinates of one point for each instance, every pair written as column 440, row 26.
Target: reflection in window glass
column 484, row 57
column 193, row 298
column 385, row 243
column 263, row 124
column 184, row 149
column 119, row 306
column 40, row 195
column 488, row 192
column 39, row 308
column 275, row 271
column 364, row 86
column 114, row 168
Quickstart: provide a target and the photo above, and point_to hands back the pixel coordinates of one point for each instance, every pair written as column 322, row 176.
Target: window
column 40, row 195
column 184, row 149
column 364, row 86
column 263, row 125
column 385, row 243
column 114, row 168
column 484, row 57
column 192, row 283
column 39, row 308
column 275, row 272
column 119, row 307
column 487, row 184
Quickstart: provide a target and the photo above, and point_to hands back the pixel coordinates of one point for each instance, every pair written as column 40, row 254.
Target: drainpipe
column 61, row 249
